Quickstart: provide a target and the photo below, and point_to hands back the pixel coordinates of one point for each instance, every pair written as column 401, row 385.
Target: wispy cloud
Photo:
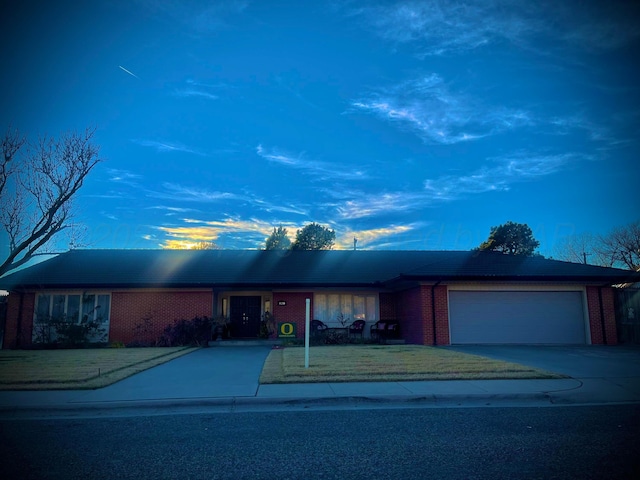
column 193, row 194
column 441, row 27
column 124, row 177
column 370, row 238
column 499, row 175
column 428, row 107
column 284, row 208
column 506, row 171
column 444, row 27
column 566, row 125
column 164, row 147
column 172, row 191
column 199, row 17
column 322, row 170
column 194, row 231
column 192, row 92
column 172, row 211
column 370, row 204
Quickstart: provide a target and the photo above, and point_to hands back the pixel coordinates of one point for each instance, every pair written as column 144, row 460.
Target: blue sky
column 409, row 125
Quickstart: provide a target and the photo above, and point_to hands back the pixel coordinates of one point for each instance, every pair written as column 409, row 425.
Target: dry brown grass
column 78, row 369
column 383, row 363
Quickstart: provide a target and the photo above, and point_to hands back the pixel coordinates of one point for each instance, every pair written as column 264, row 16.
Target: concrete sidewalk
column 228, row 377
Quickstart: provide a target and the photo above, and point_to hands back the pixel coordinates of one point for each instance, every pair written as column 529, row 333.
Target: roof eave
column 582, row 279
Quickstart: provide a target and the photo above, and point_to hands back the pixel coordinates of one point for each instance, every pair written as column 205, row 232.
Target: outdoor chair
column 384, row 329
column 318, row 327
column 357, row 328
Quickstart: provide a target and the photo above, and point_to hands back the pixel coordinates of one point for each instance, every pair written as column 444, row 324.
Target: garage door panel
column 516, row 317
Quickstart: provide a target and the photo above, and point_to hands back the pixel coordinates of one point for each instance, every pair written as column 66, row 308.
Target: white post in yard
column 307, row 326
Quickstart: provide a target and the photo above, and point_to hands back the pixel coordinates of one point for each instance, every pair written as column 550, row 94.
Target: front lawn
column 79, row 368
column 384, row 363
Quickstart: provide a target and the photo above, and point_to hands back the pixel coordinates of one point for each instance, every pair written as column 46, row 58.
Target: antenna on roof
column 355, row 241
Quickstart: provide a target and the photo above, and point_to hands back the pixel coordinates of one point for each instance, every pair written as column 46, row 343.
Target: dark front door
column 245, row 316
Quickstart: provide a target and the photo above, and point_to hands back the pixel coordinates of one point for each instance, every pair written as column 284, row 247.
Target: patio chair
column 377, row 328
column 384, row 329
column 318, row 327
column 357, row 328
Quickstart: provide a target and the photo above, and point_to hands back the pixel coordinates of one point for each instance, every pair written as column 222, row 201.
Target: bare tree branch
column 38, row 202
column 11, row 144
column 623, row 245
column 619, row 248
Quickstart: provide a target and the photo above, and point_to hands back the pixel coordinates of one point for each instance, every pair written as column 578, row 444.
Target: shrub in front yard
column 194, row 332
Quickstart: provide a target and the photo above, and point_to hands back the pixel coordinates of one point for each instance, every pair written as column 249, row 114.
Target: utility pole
column 584, row 256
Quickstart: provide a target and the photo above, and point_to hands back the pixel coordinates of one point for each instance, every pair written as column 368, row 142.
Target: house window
column 74, row 308
column 328, row 306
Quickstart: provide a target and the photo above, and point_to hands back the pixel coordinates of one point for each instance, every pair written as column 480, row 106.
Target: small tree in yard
column 38, row 182
column 511, row 238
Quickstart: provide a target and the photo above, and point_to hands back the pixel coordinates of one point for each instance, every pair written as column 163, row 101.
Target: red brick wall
column 294, row 310
column 11, row 339
column 128, row 309
column 595, row 319
column 410, row 310
column 415, row 315
column 442, row 314
column 387, row 306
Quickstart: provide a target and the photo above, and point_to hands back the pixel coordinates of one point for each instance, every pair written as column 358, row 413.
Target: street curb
column 370, row 400
column 247, row 403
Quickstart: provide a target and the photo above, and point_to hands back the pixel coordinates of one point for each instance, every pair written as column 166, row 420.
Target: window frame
column 80, row 310
column 322, row 309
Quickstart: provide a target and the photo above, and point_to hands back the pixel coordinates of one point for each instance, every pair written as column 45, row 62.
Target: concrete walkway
column 229, row 377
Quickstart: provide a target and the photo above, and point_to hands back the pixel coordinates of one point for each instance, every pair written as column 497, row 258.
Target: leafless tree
column 619, row 248
column 622, row 245
column 38, row 182
column 582, row 248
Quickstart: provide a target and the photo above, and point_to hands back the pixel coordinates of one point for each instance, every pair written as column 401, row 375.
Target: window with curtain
column 328, row 306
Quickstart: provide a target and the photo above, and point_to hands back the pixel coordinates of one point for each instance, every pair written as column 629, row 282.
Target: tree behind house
column 618, row 248
column 278, row 240
column 511, row 238
column 314, row 237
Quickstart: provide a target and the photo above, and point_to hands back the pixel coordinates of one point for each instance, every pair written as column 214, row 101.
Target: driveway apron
column 576, row 361
column 205, row 373
column 605, row 373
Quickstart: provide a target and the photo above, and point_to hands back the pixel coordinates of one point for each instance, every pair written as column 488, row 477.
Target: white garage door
column 516, row 317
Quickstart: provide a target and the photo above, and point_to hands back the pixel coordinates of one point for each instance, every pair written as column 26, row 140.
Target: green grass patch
column 384, row 363
column 78, row 369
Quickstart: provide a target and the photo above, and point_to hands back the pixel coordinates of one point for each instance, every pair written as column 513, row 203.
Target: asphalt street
column 583, row 442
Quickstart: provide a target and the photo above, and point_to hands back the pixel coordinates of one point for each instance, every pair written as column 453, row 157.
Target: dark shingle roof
column 206, row 268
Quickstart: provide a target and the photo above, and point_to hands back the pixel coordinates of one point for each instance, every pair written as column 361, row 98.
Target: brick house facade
column 427, row 311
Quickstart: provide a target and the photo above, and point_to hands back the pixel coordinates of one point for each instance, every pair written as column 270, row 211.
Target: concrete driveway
column 604, row 372
column 205, row 373
column 575, row 361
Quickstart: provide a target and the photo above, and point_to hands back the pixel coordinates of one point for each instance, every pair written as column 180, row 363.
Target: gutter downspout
column 433, row 311
column 602, row 324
